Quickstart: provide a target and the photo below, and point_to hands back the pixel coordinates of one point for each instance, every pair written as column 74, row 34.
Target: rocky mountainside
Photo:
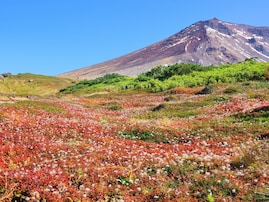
column 205, row 42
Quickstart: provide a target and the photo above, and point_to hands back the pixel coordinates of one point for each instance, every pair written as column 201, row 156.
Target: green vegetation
column 101, row 83
column 147, row 136
column 32, row 84
column 260, row 197
column 184, row 109
column 36, row 105
column 259, row 115
column 115, row 107
column 230, row 90
column 163, row 78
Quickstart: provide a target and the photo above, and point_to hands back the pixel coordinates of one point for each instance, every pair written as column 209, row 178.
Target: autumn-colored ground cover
column 112, row 147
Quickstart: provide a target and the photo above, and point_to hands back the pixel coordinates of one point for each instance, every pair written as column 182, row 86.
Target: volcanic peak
column 210, row 42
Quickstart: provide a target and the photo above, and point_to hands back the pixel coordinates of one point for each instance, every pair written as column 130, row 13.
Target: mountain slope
column 205, row 42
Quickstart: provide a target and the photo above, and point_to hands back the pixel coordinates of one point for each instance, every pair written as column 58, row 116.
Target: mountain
column 205, row 42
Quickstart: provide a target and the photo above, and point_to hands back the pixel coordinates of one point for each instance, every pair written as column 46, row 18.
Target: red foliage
column 76, row 153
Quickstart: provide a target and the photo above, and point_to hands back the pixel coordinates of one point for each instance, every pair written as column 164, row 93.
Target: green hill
column 32, row 84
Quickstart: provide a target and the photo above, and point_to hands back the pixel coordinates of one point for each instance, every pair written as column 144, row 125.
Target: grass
column 202, row 187
column 36, row 105
column 179, row 109
column 230, row 90
column 32, row 84
column 147, row 136
column 261, row 196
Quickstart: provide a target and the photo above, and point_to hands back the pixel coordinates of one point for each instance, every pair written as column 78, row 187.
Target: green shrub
column 230, row 90
column 115, row 107
column 147, row 136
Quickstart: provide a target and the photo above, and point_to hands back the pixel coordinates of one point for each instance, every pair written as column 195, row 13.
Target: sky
column 51, row 37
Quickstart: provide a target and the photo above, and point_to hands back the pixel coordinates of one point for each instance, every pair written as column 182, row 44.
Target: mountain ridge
column 209, row 42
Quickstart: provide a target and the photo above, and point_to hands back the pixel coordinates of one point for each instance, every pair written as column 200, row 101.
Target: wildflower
column 35, row 195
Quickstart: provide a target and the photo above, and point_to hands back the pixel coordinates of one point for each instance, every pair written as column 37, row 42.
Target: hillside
column 31, row 84
column 210, row 42
column 163, row 78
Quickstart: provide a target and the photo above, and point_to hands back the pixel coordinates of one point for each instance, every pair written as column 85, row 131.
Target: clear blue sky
column 55, row 36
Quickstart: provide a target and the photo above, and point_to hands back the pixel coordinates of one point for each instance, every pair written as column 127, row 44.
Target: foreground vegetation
column 182, row 144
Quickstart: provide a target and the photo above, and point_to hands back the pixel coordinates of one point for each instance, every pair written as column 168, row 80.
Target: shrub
column 147, row 136
column 266, row 74
column 115, row 107
column 230, row 90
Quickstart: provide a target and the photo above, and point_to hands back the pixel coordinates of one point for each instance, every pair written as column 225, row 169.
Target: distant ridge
column 205, row 42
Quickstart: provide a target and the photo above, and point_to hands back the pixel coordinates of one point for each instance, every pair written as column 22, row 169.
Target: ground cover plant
column 175, row 145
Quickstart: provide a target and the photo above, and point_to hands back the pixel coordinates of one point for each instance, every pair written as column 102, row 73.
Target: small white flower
column 227, row 181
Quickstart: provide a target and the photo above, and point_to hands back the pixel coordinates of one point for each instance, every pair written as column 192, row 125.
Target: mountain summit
column 210, row 42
